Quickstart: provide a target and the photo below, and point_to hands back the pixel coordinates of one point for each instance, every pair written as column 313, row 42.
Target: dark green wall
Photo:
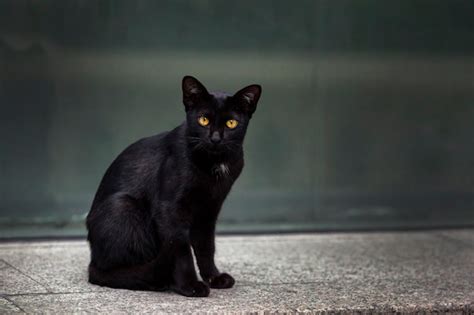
column 366, row 118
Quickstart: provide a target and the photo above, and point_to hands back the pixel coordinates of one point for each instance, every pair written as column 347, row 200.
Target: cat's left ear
column 193, row 91
column 248, row 97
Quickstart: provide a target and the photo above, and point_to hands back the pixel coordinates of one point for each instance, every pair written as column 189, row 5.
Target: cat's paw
column 222, row 281
column 196, row 289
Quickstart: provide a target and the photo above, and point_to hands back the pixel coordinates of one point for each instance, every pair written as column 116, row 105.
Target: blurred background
column 366, row 121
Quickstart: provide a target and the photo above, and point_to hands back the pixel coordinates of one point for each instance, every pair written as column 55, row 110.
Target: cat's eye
column 231, row 123
column 203, row 121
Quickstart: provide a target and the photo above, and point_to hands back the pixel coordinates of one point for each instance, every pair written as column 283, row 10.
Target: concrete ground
column 347, row 272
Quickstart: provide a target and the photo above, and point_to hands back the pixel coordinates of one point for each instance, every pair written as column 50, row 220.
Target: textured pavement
column 431, row 271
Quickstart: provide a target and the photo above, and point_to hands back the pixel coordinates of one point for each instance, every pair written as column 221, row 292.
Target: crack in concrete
column 11, row 302
column 28, row 276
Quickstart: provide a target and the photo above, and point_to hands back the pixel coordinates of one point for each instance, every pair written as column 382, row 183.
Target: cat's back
column 135, row 166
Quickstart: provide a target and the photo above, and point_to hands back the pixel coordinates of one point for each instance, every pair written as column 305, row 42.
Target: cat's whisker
column 198, row 145
column 231, row 146
column 194, row 138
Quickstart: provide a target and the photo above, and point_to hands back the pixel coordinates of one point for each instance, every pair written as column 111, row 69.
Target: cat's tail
column 141, row 277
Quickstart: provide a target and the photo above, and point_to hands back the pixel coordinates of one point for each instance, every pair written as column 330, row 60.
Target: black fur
column 162, row 195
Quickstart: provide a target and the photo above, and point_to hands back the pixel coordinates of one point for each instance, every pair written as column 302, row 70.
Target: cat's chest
column 221, row 171
column 216, row 182
column 216, row 177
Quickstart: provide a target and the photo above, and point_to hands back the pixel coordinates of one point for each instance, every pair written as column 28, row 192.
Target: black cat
column 162, row 195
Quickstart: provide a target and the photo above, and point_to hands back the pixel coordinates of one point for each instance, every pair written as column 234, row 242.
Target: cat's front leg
column 203, row 242
column 184, row 279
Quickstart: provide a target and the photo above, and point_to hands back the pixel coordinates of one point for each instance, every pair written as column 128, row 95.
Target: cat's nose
column 215, row 137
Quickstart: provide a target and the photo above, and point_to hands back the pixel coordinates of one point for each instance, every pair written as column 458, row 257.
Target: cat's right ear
column 193, row 92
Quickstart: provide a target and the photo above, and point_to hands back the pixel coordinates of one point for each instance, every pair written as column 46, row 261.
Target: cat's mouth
column 218, row 148
column 215, row 147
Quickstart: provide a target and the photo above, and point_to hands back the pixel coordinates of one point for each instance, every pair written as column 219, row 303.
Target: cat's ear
column 247, row 98
column 193, row 91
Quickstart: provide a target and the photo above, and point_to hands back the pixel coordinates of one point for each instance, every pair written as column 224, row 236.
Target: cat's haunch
column 162, row 195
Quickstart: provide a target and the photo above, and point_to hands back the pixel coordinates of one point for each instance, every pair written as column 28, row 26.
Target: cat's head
column 216, row 121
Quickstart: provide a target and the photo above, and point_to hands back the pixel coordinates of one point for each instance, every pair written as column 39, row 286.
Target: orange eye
column 231, row 123
column 203, row 121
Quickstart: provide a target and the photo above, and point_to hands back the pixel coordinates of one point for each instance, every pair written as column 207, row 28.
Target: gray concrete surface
column 347, row 272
